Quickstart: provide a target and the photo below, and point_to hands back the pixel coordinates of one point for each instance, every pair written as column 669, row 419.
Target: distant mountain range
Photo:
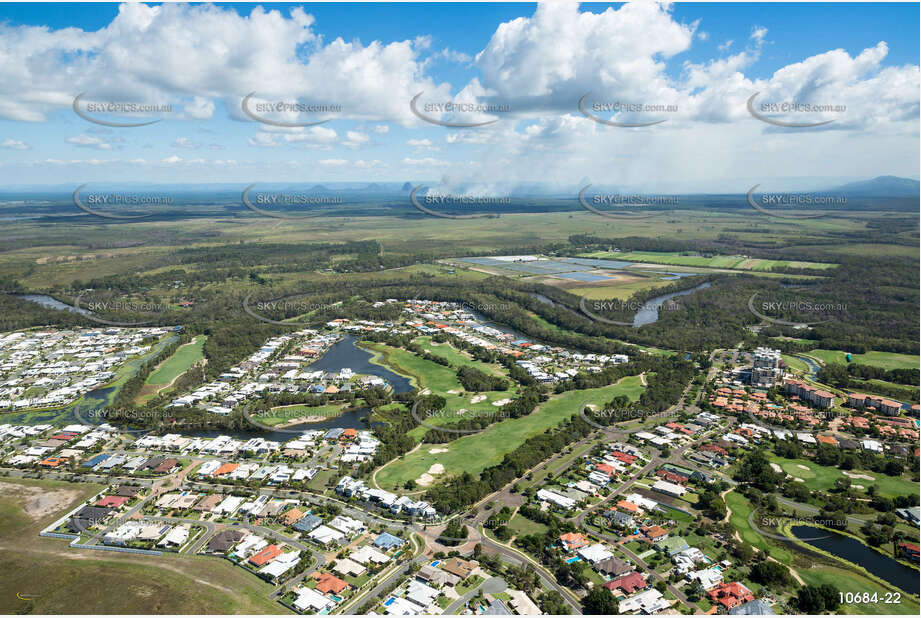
column 882, row 186
column 879, row 187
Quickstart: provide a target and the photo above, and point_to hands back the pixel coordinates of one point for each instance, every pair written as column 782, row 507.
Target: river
column 649, row 312
column 854, row 551
column 52, row 303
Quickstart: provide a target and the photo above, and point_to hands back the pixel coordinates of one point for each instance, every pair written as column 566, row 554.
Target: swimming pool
column 573, row 559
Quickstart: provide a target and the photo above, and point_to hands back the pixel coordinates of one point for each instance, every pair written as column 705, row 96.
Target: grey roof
column 497, row 608
column 752, row 608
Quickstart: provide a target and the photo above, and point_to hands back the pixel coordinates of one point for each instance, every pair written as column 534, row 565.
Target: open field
column 477, row 451
column 794, row 363
column 884, row 360
column 69, row 581
column 39, row 258
column 733, row 262
column 822, row 478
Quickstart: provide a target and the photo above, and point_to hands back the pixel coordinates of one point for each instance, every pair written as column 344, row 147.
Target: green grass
column 456, row 357
column 822, row 478
column 477, row 451
column 883, row 360
column 69, row 581
column 794, row 363
column 279, row 415
column 735, row 262
column 741, row 509
column 521, row 525
column 850, row 581
column 177, row 364
column 422, row 373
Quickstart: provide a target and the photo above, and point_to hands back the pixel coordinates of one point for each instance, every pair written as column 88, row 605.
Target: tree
column 599, row 602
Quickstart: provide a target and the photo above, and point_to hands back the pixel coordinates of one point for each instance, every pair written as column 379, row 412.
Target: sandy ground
column 477, row 398
column 36, row 502
column 858, row 476
column 428, row 477
column 501, row 402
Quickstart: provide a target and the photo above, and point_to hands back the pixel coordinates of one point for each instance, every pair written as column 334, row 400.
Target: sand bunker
column 776, row 468
column 866, row 477
column 478, row 398
column 427, row 478
column 798, row 479
column 501, row 402
column 434, row 451
column 802, row 467
column 454, row 391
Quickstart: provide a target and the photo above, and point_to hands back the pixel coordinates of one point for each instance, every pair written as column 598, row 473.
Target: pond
column 854, row 551
column 345, row 354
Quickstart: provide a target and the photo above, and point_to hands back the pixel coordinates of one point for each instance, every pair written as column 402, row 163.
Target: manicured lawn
column 183, row 358
column 456, row 357
column 477, row 451
column 850, row 581
column 884, row 360
column 279, row 415
column 822, row 478
column 739, row 519
column 794, row 363
column 423, row 373
column 521, row 525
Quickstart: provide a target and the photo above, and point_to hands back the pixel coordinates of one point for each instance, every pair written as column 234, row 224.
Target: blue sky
column 704, row 60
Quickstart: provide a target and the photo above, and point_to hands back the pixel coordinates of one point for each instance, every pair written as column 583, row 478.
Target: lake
column 854, row 551
column 345, row 354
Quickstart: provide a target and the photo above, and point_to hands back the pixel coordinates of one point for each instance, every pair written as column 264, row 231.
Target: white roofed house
column 281, row 565
column 176, row 537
